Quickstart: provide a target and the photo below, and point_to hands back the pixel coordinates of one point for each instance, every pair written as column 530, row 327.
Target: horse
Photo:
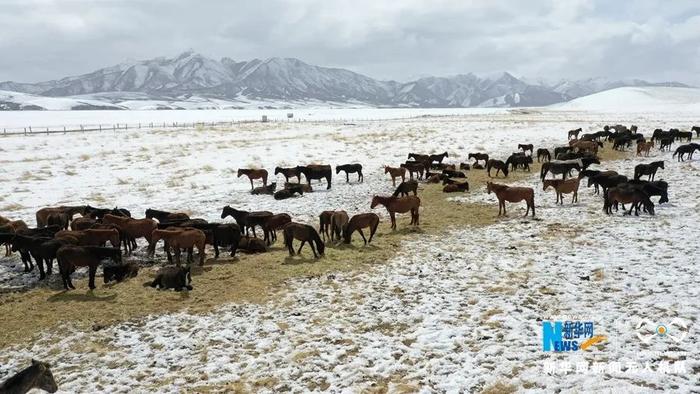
column 253, row 173
column 132, row 228
column 419, row 157
column 687, row 135
column 92, row 237
column 273, row 224
column 666, row 144
column 69, row 257
column 252, row 245
column 477, row 157
column 29, row 247
column 118, row 273
column 246, row 220
column 526, row 147
column 437, row 158
column 338, row 221
column 165, row 216
column 696, row 129
column 655, row 188
column 644, row 147
column 99, row 213
column 574, row 133
column 560, row 167
column 606, row 180
column 300, row 188
column 43, row 214
column 588, row 146
column 12, row 227
column 316, row 171
column 512, row 194
column 38, row 375
column 288, row 193
column 324, row 226
column 499, row 165
column 399, row 205
column 456, row 187
column 519, row 160
column 82, row 223
column 648, row 169
column 395, row 172
column 414, row 167
column 562, row 187
column 304, row 233
column 687, row 149
column 464, row 166
column 543, row 153
column 625, row 195
column 173, row 277
column 560, row 150
column 288, row 172
column 268, row 189
column 225, row 234
column 357, row 223
column 350, row 168
column 178, row 239
column 406, row 187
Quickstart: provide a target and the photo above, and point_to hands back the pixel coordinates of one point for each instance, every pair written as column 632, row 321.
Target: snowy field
column 456, row 312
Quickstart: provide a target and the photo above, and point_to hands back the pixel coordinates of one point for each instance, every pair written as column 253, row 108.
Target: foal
column 400, row 205
column 304, row 233
column 357, row 223
column 253, row 174
column 350, row 168
column 395, row 173
column 512, row 194
column 647, row 169
column 562, row 187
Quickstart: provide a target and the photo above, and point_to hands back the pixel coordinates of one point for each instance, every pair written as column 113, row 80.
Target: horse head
column 375, row 202
column 45, row 379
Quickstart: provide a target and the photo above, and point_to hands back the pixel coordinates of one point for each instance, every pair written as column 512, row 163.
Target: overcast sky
column 400, row 39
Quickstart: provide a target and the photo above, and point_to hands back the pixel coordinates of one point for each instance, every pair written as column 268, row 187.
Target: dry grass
column 84, row 157
column 11, row 207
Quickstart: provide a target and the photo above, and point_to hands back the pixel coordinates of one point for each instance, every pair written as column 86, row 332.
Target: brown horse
column 357, row 223
column 12, row 227
column 587, row 146
column 338, row 220
column 644, row 147
column 562, row 187
column 69, row 257
column 456, row 187
column 178, row 239
column 304, row 233
column 512, row 194
column 324, row 227
column 92, row 237
column 132, row 229
column 273, row 224
column 82, row 223
column 395, row 173
column 42, row 215
column 38, row 375
column 406, row 187
column 400, row 205
column 165, row 216
column 253, row 174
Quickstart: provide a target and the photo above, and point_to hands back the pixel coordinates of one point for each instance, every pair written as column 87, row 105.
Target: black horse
column 519, row 160
column 316, row 172
column 288, row 172
column 526, row 147
column 647, row 169
column 543, row 155
column 606, row 181
column 38, row 375
column 499, row 165
column 246, row 220
column 687, row 149
column 99, row 213
column 560, row 150
column 477, row 157
column 696, row 129
column 350, row 169
column 405, row 187
column 655, row 188
column 560, row 167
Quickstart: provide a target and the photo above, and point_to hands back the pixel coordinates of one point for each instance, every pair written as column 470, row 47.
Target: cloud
column 651, row 39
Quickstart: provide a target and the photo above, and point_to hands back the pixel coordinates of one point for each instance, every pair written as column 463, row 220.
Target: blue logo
column 566, row 336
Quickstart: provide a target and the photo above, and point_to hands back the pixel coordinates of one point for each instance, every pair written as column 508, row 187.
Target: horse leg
column 264, row 180
column 363, row 235
column 393, row 181
column 372, row 231
column 178, row 252
column 532, row 202
column 393, row 220
column 200, row 249
column 40, row 264
column 347, row 177
column 91, row 280
column 251, row 183
column 360, row 177
column 301, row 246
column 313, row 249
column 288, row 241
column 417, row 217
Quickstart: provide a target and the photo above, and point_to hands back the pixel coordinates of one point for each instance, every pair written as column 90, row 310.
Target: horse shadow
column 72, row 296
column 298, row 260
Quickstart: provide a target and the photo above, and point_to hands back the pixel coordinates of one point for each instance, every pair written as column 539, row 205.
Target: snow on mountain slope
column 637, row 99
column 24, row 101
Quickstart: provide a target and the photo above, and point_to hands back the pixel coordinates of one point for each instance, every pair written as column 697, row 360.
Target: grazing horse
column 338, row 221
column 395, row 173
column 644, row 147
column 99, row 213
column 687, row 135
column 288, row 172
column 526, row 147
column 562, row 187
column 38, row 375
column 477, row 157
column 304, row 233
column 253, row 174
column 350, row 169
column 574, row 133
column 519, row 160
column 69, row 257
column 414, row 167
column 656, row 188
column 324, row 226
column 419, row 157
column 173, row 277
column 400, row 205
column 499, row 165
column 543, row 153
column 316, row 171
column 178, row 238
column 560, row 167
column 164, row 216
column 687, row 149
column 406, row 187
column 268, row 189
column 560, row 150
column 648, row 169
column 273, row 224
column 11, row 227
column 588, row 146
column 132, row 229
column 357, row 223
column 627, row 195
column 43, row 214
column 512, row 194
column 665, row 143
column 246, row 220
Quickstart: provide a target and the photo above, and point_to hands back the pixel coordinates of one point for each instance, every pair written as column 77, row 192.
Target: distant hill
column 191, row 80
column 637, row 99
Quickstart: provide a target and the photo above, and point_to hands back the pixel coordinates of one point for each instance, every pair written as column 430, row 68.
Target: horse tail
column 543, row 170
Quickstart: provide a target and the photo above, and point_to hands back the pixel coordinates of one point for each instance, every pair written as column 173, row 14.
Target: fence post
column 30, row 129
column 25, row 131
column 100, row 127
column 126, row 126
column 47, row 131
column 139, row 125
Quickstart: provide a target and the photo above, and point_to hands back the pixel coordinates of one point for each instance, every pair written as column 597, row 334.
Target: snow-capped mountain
column 189, row 75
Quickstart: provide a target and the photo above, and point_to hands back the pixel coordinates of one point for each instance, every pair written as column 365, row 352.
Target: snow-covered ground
column 460, row 312
column 639, row 99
